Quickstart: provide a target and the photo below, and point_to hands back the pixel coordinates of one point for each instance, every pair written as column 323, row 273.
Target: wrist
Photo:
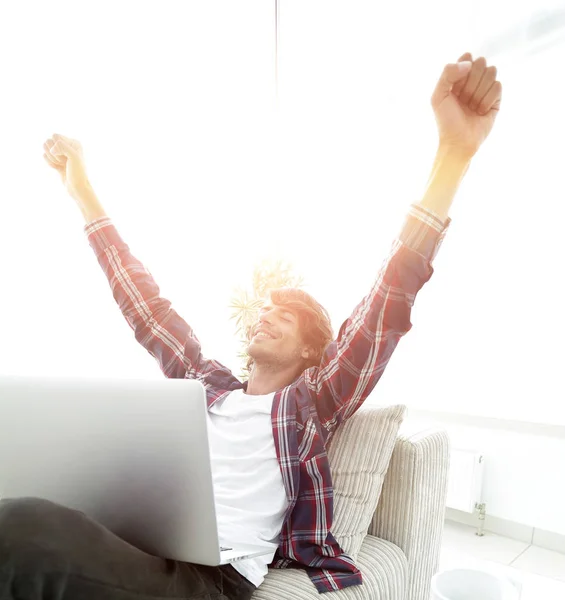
column 450, row 165
column 454, row 154
column 82, row 194
column 89, row 204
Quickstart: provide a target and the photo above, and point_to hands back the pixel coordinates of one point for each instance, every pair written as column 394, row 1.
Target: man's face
column 276, row 339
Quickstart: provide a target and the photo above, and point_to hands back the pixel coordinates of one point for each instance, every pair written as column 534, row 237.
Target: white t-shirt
column 248, row 487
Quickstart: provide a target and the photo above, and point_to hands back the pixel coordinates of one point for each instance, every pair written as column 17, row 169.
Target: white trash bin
column 471, row 584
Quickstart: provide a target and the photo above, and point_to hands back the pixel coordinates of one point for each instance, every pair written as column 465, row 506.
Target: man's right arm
column 157, row 326
column 89, row 204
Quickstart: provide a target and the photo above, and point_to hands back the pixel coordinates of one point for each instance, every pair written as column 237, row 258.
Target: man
column 269, row 436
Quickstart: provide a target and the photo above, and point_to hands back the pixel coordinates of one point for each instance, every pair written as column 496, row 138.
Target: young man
column 268, row 437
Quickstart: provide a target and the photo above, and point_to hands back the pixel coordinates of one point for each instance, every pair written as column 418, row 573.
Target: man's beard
column 272, row 360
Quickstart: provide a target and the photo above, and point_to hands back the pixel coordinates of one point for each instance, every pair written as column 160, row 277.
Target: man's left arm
column 465, row 102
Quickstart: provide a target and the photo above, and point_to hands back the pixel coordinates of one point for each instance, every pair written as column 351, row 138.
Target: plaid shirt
column 306, row 414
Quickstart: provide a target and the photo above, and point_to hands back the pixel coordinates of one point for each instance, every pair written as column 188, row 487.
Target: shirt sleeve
column 353, row 364
column 157, row 326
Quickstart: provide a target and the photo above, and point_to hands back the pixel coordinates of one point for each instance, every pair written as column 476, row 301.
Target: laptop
column 131, row 454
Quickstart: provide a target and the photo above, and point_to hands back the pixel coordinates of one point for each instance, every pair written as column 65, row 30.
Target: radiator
column 465, row 480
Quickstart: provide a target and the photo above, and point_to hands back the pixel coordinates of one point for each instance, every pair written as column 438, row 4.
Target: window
column 205, row 173
column 172, row 104
column 355, row 81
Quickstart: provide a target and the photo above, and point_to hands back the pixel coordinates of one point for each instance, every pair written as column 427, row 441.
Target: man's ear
column 307, row 352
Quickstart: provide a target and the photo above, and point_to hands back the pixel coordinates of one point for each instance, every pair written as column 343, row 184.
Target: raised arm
column 465, row 101
column 157, row 326
column 353, row 364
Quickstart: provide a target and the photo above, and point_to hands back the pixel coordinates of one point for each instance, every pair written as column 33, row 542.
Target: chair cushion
column 359, row 455
column 385, row 577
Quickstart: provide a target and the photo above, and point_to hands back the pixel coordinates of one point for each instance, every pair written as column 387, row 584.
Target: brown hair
column 313, row 319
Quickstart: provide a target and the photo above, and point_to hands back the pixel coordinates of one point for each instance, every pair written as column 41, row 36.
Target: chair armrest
column 411, row 508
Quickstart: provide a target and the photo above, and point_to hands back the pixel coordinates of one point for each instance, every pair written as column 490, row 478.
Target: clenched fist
column 466, row 102
column 65, row 156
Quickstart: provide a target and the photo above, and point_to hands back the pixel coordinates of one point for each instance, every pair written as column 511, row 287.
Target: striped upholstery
column 385, row 575
column 359, row 469
column 401, row 553
column 411, row 510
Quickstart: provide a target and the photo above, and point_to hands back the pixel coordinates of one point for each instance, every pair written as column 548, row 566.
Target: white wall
column 524, row 471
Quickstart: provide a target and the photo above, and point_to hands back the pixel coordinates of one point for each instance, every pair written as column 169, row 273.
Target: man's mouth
column 262, row 334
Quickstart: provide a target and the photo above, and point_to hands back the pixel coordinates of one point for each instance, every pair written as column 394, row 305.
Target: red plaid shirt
column 305, row 414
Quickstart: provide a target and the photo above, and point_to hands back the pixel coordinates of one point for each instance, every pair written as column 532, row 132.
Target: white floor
column 542, row 572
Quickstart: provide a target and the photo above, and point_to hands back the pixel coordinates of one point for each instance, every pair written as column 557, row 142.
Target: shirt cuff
column 423, row 231
column 102, row 234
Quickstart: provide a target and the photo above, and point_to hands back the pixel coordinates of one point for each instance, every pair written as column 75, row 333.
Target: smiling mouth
column 263, row 335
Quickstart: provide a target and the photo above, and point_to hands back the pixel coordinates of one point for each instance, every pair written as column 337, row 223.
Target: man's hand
column 65, row 156
column 466, row 102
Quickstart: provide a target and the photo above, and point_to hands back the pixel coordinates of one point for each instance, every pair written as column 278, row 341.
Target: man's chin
column 260, row 354
column 254, row 349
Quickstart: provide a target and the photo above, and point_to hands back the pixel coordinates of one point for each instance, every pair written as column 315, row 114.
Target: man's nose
column 265, row 317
